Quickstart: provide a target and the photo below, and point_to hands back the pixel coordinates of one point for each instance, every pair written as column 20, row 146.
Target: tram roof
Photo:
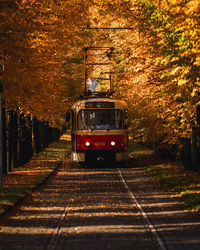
column 81, row 103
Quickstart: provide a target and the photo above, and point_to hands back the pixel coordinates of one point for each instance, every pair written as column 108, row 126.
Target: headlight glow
column 87, row 143
column 112, row 143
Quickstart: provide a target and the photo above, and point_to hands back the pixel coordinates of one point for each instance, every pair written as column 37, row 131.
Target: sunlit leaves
column 169, row 42
column 177, row 42
column 156, row 64
column 36, row 40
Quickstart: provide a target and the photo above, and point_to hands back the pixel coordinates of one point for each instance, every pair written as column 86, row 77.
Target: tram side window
column 101, row 119
column 85, row 120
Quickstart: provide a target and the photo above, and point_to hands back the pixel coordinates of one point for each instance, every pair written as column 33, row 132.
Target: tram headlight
column 112, row 143
column 87, row 143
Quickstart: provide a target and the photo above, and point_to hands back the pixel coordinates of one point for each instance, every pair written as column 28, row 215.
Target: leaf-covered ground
column 172, row 175
column 186, row 184
column 21, row 181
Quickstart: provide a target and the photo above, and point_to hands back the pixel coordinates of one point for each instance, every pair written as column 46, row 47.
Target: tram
column 98, row 130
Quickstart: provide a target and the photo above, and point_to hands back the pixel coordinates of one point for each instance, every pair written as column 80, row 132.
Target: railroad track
column 58, row 229
column 100, row 208
column 63, row 220
column 146, row 219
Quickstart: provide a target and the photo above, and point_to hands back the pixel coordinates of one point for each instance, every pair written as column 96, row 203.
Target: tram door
column 73, row 135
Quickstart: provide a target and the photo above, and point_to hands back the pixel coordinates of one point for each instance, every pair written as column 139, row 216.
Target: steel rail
column 51, row 245
column 144, row 215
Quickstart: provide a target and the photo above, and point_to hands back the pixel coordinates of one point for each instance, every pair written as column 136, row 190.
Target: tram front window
column 100, row 119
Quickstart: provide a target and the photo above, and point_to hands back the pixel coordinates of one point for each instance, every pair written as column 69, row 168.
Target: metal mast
column 96, row 57
column 88, row 66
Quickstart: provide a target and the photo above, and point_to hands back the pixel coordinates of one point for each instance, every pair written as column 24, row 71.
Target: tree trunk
column 194, row 150
column 5, row 170
column 187, row 160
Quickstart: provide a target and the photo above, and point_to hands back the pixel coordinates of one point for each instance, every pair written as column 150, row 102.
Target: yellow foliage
column 44, row 36
column 193, row 7
column 182, row 82
column 197, row 62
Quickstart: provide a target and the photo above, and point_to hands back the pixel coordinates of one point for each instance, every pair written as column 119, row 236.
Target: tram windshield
column 100, row 119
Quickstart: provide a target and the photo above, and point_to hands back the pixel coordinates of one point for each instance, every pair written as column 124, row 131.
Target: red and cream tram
column 99, row 132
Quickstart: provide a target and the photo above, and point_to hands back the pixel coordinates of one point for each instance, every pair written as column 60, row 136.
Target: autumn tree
column 161, row 68
column 133, row 67
column 41, row 48
column 156, row 63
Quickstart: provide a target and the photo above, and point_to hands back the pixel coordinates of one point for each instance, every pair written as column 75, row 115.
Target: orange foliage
column 157, row 63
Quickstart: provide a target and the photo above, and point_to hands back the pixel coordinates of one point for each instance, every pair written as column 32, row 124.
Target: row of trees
column 40, row 48
column 158, row 69
column 22, row 137
column 156, row 63
column 38, row 41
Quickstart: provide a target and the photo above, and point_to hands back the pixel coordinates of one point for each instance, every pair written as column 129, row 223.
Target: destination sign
column 99, row 105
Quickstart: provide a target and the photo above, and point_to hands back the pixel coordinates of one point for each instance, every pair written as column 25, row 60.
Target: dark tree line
column 22, row 137
column 190, row 153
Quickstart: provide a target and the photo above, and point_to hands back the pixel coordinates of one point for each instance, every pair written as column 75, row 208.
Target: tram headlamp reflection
column 112, row 143
column 87, row 143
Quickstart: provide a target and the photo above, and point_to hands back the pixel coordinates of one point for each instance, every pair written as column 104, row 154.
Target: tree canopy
column 156, row 63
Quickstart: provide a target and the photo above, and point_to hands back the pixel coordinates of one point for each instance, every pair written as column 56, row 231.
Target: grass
column 172, row 175
column 23, row 180
column 137, row 150
column 185, row 184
